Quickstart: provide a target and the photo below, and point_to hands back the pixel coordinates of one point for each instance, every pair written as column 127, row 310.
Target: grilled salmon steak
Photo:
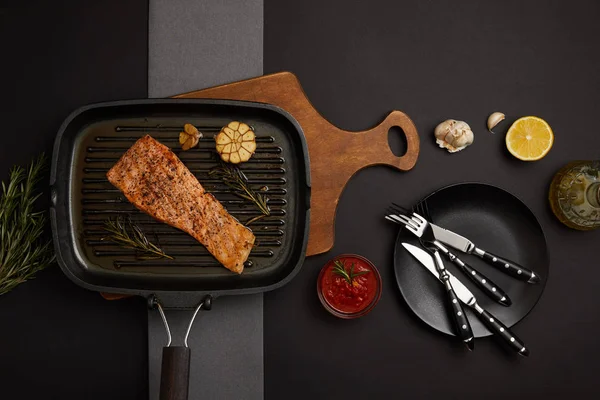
column 155, row 180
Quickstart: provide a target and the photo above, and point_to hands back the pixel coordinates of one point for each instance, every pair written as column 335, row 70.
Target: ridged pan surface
column 93, row 138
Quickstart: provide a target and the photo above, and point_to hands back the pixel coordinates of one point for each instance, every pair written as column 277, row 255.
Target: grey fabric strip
column 193, row 45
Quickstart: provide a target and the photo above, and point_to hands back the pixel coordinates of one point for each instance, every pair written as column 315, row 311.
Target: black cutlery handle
column 509, row 267
column 483, row 282
column 500, row 330
column 461, row 322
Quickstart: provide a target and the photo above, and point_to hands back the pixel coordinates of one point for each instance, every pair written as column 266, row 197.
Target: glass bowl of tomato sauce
column 349, row 286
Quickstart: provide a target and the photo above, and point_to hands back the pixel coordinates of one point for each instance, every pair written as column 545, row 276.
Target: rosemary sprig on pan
column 130, row 236
column 233, row 177
column 339, row 267
column 22, row 251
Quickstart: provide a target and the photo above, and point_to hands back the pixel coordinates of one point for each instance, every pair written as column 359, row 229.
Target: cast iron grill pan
column 91, row 141
column 95, row 137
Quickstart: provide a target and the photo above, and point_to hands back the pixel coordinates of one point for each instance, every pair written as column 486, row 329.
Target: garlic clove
column 229, row 132
column 244, row 154
column 494, row 119
column 191, row 130
column 189, row 137
column 183, row 137
column 234, row 158
column 249, row 146
column 243, row 128
column 248, row 136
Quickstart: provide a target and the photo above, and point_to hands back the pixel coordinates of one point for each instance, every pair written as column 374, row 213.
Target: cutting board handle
column 374, row 148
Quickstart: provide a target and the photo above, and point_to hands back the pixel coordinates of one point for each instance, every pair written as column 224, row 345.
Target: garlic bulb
column 236, row 142
column 494, row 119
column 453, row 135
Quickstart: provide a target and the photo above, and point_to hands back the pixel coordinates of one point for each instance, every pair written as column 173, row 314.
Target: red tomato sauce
column 345, row 297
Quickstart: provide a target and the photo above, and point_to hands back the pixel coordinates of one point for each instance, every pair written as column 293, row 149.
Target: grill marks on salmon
column 155, row 180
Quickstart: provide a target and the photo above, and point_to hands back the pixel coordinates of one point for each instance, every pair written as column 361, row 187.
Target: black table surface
column 357, row 61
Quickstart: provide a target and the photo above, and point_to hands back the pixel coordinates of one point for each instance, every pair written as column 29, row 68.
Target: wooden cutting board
column 335, row 154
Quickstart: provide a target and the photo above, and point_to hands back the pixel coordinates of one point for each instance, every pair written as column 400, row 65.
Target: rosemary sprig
column 233, row 177
column 339, row 267
column 22, row 252
column 130, row 236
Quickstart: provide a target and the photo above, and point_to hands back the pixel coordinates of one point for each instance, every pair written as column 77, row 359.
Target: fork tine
column 394, row 220
column 418, row 218
column 391, row 210
column 391, row 213
column 420, row 213
column 404, row 221
column 400, row 220
column 414, row 230
column 408, row 221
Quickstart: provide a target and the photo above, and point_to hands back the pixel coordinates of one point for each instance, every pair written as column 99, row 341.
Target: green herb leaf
column 130, row 236
column 339, row 268
column 254, row 219
column 232, row 176
column 22, row 251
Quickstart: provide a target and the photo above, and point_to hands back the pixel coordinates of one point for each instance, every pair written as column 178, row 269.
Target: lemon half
column 529, row 138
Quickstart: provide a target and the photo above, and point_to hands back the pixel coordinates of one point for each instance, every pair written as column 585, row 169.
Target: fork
column 483, row 282
column 421, row 229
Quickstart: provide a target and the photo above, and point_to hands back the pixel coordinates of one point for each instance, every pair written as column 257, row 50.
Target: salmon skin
column 155, row 180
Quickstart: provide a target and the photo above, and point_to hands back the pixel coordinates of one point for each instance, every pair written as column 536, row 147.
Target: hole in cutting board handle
column 397, row 141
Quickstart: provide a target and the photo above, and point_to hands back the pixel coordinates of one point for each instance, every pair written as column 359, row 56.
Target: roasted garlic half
column 189, row 137
column 236, row 142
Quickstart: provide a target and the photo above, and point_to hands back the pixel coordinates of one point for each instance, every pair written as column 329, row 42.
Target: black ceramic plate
column 494, row 220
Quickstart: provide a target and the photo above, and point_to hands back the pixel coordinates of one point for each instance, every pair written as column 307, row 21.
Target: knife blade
column 466, row 246
column 452, row 239
column 468, row 298
column 463, row 294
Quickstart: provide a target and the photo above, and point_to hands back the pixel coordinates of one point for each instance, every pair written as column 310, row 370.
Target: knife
column 466, row 246
column 457, row 314
column 483, row 282
column 465, row 295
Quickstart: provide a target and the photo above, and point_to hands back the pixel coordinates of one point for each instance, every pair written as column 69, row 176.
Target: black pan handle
column 509, row 267
column 501, row 331
column 175, row 373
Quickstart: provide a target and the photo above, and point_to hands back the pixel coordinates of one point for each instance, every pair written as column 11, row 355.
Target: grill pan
column 90, row 142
